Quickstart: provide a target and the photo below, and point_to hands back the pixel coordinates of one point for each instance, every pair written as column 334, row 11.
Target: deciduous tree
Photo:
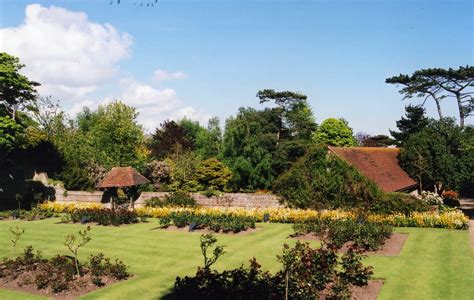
column 170, row 138
column 16, row 90
column 440, row 156
column 334, row 132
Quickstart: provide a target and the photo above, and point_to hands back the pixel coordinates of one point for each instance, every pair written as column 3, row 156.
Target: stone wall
column 63, row 196
column 246, row 200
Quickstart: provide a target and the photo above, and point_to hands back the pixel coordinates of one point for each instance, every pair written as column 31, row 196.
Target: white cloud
column 75, row 60
column 162, row 75
column 156, row 105
column 64, row 51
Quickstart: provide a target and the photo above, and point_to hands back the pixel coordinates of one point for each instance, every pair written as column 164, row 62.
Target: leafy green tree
column 114, row 135
column 260, row 144
column 184, row 168
column 16, row 90
column 413, row 122
column 439, row 84
column 249, row 140
column 296, row 117
column 209, row 142
column 334, row 132
column 213, row 174
column 11, row 135
column 440, row 156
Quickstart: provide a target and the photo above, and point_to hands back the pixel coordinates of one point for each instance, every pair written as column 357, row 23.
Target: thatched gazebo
column 122, row 177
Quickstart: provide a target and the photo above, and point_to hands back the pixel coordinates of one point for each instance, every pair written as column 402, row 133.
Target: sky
column 198, row 59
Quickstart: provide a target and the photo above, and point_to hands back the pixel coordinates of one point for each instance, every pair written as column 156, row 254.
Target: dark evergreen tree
column 414, row 121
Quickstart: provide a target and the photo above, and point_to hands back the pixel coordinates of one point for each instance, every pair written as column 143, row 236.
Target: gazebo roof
column 121, row 177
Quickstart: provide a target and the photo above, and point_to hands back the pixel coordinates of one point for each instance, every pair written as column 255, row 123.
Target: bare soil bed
column 79, row 286
column 368, row 292
column 392, row 246
column 207, row 230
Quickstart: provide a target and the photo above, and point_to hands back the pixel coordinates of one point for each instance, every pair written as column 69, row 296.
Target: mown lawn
column 434, row 263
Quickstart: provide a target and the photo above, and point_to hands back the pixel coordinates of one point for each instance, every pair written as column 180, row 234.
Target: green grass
column 434, row 263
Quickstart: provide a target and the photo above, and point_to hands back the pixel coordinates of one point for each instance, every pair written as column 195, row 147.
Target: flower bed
column 103, row 216
column 216, row 223
column 58, row 275
column 450, row 219
column 56, row 207
column 30, row 215
column 362, row 234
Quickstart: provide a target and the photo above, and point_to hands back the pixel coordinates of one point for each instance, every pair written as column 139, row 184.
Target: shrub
column 211, row 192
column 213, row 174
column 451, row 198
column 362, row 234
column 103, row 216
column 321, row 181
column 431, row 198
column 403, row 203
column 101, row 266
column 179, row 198
column 223, row 222
column 60, row 273
column 154, row 202
column 307, row 274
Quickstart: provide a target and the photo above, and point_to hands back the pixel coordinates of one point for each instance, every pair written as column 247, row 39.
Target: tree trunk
column 461, row 110
column 438, row 106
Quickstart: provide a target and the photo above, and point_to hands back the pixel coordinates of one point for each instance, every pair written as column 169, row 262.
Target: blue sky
column 216, row 55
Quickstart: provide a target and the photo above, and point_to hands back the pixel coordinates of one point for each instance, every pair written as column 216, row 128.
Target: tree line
column 253, row 150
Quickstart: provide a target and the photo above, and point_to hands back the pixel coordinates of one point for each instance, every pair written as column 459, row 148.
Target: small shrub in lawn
column 363, row 234
column 99, row 265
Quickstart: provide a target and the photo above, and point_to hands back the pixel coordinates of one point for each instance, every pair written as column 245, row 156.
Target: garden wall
column 246, row 200
column 63, row 196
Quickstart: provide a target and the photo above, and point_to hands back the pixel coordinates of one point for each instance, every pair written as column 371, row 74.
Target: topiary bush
column 319, row 180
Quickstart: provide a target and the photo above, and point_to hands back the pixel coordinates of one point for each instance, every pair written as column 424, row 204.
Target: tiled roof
column 122, row 176
column 378, row 164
